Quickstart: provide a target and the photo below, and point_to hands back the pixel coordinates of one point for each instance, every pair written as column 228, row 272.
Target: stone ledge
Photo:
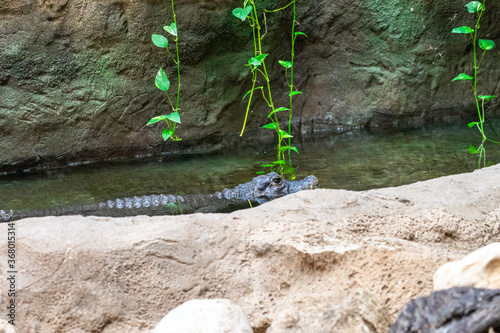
column 84, row 274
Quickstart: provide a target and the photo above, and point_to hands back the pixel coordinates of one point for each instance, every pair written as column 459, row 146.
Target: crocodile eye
column 277, row 180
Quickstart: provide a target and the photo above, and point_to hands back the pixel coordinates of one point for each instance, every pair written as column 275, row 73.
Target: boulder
column 461, row 309
column 347, row 312
column 205, row 316
column 479, row 269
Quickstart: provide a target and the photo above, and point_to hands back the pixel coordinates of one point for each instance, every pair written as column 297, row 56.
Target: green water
column 353, row 161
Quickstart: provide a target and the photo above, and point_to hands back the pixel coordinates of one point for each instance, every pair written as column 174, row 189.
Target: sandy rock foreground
column 89, row 274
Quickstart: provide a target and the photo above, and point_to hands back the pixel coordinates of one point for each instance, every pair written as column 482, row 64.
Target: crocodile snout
column 311, row 181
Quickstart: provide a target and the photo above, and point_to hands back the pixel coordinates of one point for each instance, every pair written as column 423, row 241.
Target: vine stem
column 254, row 77
column 291, row 81
column 474, row 39
column 178, row 63
column 482, row 150
column 178, row 59
column 277, row 10
column 266, row 77
column 254, row 80
column 253, row 20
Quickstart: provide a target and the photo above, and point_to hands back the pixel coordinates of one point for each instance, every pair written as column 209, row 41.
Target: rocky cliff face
column 77, row 76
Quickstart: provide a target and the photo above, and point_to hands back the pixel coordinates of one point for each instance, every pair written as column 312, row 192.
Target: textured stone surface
column 351, row 311
column 5, row 327
column 205, row 316
column 76, row 76
column 479, row 269
column 462, row 309
column 94, row 274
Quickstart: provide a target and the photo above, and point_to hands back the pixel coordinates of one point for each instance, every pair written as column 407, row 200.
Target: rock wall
column 77, row 76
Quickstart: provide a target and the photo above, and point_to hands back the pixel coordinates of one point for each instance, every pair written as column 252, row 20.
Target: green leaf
column 260, row 172
column 279, row 162
column 155, row 120
column 261, row 57
column 285, row 135
column 267, row 165
column 486, row 97
column 472, row 149
column 159, row 40
column 285, row 148
column 242, row 13
column 462, row 76
column 300, row 33
column 286, row 64
column 167, row 133
column 293, row 93
column 254, row 61
column 462, row 30
column 171, row 29
column 248, row 92
column 270, row 126
column 162, row 81
column 474, row 123
column 278, row 110
column 288, row 169
column 474, row 6
column 486, row 44
column 174, row 116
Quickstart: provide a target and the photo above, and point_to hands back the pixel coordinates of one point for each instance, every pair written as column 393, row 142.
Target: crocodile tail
column 75, row 210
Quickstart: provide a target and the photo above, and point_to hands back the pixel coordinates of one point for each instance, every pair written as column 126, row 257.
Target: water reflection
column 353, row 161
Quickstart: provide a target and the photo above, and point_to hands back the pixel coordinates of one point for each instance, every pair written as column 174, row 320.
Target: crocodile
column 260, row 189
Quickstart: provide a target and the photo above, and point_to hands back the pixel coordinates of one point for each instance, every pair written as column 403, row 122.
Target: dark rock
column 82, row 72
column 461, row 309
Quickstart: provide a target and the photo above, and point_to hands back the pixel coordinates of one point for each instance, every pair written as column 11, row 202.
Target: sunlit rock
column 5, row 327
column 205, row 316
column 480, row 269
column 350, row 311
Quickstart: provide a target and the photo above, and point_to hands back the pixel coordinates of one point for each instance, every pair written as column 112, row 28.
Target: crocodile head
column 273, row 186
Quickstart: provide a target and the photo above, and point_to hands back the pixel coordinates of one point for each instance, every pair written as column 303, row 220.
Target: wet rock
column 82, row 72
column 479, row 269
column 461, row 309
column 350, row 311
column 205, row 316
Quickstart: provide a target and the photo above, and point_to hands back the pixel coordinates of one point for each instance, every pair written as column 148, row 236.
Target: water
column 352, row 161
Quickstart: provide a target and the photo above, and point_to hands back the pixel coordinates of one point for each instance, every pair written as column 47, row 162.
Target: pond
column 353, row 161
